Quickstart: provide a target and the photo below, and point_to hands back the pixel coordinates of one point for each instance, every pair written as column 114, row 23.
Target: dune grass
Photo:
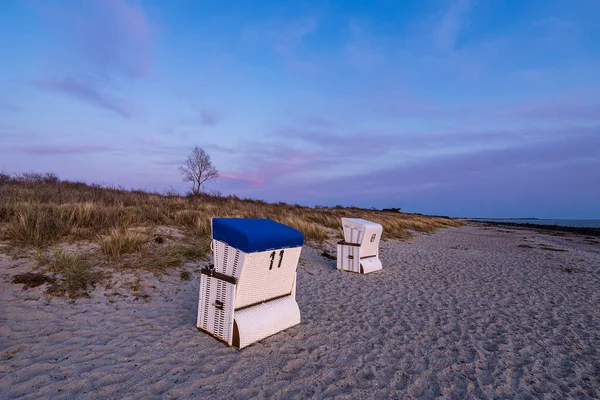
column 40, row 211
column 36, row 226
column 121, row 241
column 76, row 274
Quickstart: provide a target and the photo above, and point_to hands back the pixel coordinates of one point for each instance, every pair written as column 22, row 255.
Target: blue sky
column 462, row 108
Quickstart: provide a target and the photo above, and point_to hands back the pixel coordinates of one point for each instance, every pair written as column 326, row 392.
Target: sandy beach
column 467, row 312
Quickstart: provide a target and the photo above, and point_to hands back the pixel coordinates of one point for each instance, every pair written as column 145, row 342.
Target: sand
column 461, row 313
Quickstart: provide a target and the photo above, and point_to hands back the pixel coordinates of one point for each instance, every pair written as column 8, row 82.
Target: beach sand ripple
column 461, row 313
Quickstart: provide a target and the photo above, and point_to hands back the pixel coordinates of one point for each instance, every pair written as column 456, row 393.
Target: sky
column 475, row 108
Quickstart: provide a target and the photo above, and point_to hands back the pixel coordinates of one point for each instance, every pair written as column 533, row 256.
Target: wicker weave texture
column 267, row 274
column 263, row 320
column 261, row 276
column 216, row 307
column 228, row 260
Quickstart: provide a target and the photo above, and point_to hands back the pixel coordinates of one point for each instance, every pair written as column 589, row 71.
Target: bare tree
column 198, row 168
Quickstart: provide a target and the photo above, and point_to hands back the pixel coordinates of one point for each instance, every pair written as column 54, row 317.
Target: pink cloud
column 269, row 167
column 268, row 172
column 561, row 158
column 253, row 178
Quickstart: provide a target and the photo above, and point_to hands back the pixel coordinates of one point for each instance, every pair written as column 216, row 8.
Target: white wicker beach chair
column 250, row 291
column 359, row 251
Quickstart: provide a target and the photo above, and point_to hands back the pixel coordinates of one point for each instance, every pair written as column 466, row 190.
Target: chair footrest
column 262, row 320
column 370, row 264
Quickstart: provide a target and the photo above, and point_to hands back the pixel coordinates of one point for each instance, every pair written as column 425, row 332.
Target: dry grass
column 195, row 249
column 161, row 257
column 76, row 275
column 41, row 258
column 165, row 257
column 120, row 241
column 39, row 210
column 36, row 226
column 310, row 229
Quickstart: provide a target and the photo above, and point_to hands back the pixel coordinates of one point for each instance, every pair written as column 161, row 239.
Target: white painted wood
column 365, row 233
column 348, row 258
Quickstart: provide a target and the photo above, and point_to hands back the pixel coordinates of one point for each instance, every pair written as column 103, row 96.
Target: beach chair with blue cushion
column 250, row 291
column 359, row 251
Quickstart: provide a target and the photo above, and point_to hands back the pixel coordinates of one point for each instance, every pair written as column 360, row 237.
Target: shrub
column 4, row 178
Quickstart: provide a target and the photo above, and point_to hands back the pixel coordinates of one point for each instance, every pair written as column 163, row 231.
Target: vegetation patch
column 150, row 230
column 43, row 210
column 167, row 256
column 121, row 241
column 310, row 230
column 195, row 249
column 36, row 226
column 75, row 275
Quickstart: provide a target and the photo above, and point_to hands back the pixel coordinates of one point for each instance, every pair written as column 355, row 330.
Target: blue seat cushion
column 255, row 234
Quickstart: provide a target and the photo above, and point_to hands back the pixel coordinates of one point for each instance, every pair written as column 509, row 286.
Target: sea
column 580, row 223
